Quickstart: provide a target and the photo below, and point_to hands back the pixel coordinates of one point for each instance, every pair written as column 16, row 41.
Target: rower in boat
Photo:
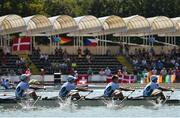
column 153, row 89
column 23, row 89
column 66, row 89
column 113, row 90
column 7, row 84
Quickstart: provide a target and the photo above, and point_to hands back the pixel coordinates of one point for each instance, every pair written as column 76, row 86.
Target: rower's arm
column 125, row 89
column 36, row 87
column 164, row 89
column 83, row 89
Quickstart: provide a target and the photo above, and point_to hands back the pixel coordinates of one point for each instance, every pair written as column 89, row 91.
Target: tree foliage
column 99, row 8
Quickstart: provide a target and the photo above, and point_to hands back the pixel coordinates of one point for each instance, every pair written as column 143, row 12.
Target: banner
column 90, row 42
column 21, row 44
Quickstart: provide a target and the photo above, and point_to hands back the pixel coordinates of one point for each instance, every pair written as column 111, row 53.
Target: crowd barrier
column 124, row 79
column 84, row 78
column 162, row 79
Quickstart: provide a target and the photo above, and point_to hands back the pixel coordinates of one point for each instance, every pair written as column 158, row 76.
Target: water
column 99, row 111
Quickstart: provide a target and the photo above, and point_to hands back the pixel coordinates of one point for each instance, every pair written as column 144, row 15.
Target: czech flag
column 90, row 42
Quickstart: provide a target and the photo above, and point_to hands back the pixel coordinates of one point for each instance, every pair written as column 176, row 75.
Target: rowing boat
column 55, row 102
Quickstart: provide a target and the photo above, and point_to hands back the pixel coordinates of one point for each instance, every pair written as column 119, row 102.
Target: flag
column 64, row 40
column 56, row 39
column 21, row 44
column 90, row 42
column 151, row 39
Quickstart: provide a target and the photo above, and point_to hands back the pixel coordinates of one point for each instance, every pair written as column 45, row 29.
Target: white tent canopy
column 63, row 24
column 10, row 24
column 137, row 24
column 87, row 25
column 161, row 25
column 176, row 22
column 113, row 24
column 37, row 24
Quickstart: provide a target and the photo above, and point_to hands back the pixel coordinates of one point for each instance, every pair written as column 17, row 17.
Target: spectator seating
column 9, row 65
column 98, row 62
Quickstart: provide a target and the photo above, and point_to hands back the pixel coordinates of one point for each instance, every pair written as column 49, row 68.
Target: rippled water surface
column 102, row 111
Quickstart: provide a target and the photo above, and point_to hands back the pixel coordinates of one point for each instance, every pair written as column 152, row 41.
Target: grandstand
column 103, row 34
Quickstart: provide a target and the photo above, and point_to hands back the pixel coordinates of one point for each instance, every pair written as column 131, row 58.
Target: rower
column 114, row 90
column 153, row 89
column 5, row 83
column 66, row 89
column 23, row 89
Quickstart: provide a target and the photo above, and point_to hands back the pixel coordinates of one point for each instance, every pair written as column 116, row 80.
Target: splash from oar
column 26, row 104
column 67, row 104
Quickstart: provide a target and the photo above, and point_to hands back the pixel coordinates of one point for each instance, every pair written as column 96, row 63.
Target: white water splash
column 67, row 105
column 112, row 104
column 26, row 104
column 156, row 104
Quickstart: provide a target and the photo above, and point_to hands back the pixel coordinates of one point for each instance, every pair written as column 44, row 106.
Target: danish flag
column 21, row 44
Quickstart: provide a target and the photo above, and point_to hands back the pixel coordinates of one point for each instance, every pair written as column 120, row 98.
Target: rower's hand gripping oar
column 126, row 97
column 39, row 97
column 168, row 97
column 83, row 97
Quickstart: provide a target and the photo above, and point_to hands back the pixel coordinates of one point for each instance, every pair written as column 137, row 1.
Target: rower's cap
column 154, row 78
column 23, row 77
column 71, row 78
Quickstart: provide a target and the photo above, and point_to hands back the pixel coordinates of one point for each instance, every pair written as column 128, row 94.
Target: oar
column 82, row 97
column 126, row 97
column 167, row 98
column 36, row 100
column 60, row 99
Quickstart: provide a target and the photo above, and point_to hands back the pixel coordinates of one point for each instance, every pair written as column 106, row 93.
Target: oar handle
column 167, row 97
column 87, row 94
column 126, row 97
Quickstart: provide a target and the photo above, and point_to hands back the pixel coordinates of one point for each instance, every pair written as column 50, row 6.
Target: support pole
column 97, row 45
column 74, row 43
column 174, row 40
column 31, row 46
column 1, row 40
column 129, row 40
column 105, row 43
column 50, row 44
column 143, row 40
column 101, row 45
column 82, row 43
